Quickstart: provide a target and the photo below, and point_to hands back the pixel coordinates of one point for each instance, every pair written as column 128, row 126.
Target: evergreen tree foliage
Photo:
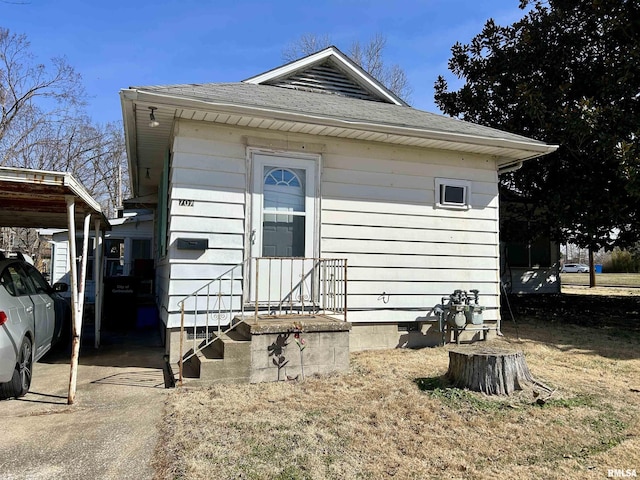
column 567, row 73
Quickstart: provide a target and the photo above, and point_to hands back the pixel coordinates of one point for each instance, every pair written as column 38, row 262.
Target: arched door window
column 283, row 212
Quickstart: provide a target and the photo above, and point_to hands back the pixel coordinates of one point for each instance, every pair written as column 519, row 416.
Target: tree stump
column 489, row 370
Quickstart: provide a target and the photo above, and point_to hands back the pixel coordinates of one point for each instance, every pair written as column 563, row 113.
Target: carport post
column 75, row 336
column 83, row 268
column 98, row 280
column 77, row 294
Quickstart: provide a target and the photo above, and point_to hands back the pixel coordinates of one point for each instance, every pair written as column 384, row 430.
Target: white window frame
column 259, row 158
column 450, row 182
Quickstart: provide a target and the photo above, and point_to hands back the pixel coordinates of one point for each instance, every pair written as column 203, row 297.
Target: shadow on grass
column 429, row 384
column 590, row 324
column 461, row 399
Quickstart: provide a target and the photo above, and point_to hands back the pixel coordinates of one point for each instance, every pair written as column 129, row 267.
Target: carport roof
column 38, row 199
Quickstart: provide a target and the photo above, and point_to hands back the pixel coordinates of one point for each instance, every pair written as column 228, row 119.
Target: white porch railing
column 261, row 288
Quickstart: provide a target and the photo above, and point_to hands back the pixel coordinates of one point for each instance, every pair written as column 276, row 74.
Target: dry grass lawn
column 393, row 416
column 603, row 279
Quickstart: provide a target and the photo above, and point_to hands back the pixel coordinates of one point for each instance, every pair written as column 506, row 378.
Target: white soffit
column 506, row 151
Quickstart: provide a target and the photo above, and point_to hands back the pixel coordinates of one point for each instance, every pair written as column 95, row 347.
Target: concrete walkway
column 109, row 433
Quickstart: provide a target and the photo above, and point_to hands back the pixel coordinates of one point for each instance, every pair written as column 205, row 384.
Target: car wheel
column 20, row 383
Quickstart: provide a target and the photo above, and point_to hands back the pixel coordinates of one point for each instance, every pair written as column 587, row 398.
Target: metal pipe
column 269, row 287
column 231, row 299
column 181, row 343
column 195, row 323
column 219, row 306
column 208, row 313
column 280, row 289
column 291, row 285
column 256, row 288
column 345, row 289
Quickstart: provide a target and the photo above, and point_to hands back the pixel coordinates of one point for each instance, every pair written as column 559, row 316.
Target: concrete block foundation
column 273, row 353
column 270, row 350
column 384, row 336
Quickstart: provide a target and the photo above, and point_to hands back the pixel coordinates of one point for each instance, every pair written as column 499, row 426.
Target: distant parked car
column 575, row 268
column 33, row 317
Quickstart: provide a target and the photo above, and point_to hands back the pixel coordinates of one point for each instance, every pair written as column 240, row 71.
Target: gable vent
column 324, row 78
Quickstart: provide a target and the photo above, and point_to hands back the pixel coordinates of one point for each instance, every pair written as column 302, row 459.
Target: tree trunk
column 592, row 269
column 488, row 370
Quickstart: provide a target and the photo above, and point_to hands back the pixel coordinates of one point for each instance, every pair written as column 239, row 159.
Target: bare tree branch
column 306, row 45
column 43, row 126
column 22, row 80
column 370, row 56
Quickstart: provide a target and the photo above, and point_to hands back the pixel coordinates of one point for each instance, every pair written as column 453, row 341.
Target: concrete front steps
column 226, row 360
column 251, row 352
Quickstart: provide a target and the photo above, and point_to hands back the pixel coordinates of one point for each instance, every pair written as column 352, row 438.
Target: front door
column 283, row 226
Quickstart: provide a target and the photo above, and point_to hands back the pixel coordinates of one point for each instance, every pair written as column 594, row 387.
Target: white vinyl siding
column 128, row 232
column 404, row 252
column 208, row 176
column 163, row 198
column 60, row 264
column 377, row 209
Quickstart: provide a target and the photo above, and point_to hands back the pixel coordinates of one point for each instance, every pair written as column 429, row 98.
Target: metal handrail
column 230, row 276
column 318, row 287
column 293, row 286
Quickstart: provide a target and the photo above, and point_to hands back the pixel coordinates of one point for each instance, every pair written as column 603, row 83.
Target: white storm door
column 283, row 226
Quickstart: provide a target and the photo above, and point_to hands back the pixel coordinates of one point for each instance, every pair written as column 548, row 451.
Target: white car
column 575, row 268
column 33, row 317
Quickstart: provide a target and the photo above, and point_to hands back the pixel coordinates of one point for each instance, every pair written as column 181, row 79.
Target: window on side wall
column 452, row 193
column 533, row 254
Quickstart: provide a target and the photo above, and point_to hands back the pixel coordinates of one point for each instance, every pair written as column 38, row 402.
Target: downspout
column 510, row 168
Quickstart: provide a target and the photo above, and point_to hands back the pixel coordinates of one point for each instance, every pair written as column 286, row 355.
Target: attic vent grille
column 324, row 78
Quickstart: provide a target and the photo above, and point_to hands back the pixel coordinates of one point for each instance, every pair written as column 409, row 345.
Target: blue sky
column 117, row 44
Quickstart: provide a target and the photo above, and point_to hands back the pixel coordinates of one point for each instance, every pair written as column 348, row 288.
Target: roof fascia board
column 46, row 177
column 348, row 65
column 127, row 100
column 529, row 149
column 367, row 80
column 290, row 67
column 56, row 179
column 131, row 219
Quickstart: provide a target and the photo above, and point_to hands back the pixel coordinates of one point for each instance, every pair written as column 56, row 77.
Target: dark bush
column 622, row 261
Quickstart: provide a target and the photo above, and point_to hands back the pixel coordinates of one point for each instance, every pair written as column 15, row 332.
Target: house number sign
column 185, row 203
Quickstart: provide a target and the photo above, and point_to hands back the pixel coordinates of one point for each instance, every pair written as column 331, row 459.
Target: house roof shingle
column 328, row 106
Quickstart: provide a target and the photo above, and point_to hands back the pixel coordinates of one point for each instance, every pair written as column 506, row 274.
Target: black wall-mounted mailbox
column 193, row 243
